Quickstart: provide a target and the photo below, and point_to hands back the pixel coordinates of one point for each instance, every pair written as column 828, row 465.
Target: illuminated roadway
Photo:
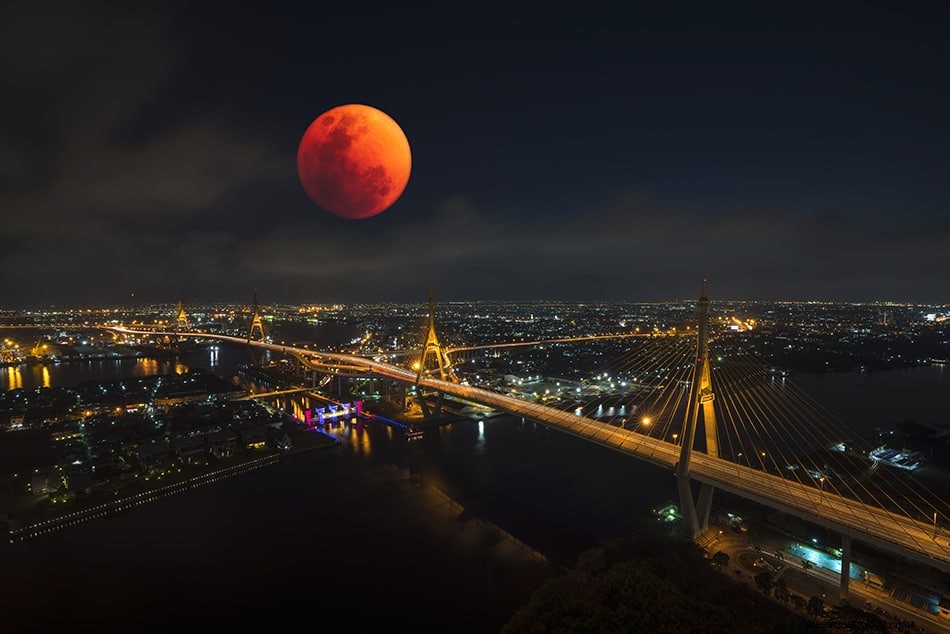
column 522, row 344
column 251, row 397
column 886, row 530
column 516, row 344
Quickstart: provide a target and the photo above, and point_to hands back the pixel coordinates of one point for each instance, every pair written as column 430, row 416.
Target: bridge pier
column 704, row 505
column 431, row 411
column 845, row 566
column 687, row 506
column 339, row 391
column 695, row 514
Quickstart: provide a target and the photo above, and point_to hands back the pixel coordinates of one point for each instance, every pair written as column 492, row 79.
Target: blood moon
column 354, row 161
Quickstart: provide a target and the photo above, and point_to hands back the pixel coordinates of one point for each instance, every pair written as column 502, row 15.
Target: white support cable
column 760, row 401
column 732, row 408
column 749, row 406
column 911, row 496
column 796, row 404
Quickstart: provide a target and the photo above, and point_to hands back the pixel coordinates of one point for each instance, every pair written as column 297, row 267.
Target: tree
column 816, row 605
column 781, row 591
column 651, row 584
column 799, row 601
column 720, row 559
column 765, row 582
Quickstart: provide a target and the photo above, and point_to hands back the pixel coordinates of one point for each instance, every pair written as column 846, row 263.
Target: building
column 190, row 449
column 154, row 457
column 222, row 444
column 252, row 437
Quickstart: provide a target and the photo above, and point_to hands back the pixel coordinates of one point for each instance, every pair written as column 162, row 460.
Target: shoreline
column 94, row 508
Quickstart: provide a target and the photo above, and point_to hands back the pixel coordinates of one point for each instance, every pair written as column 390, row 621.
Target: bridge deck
column 889, row 531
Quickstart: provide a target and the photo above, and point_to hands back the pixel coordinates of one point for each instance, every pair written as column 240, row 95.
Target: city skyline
column 583, row 154
column 624, row 390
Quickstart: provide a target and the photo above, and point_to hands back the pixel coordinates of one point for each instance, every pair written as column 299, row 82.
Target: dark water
column 336, row 530
column 338, row 534
column 863, row 401
column 222, row 360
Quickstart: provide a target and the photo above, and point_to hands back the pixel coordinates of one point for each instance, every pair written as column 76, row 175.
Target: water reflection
column 14, row 378
column 360, row 438
column 145, row 367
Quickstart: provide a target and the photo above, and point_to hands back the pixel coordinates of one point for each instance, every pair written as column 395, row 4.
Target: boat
column 478, row 411
column 412, row 432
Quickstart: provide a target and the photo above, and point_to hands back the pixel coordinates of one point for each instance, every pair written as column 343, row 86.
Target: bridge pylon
column 699, row 407
column 181, row 319
column 425, row 366
column 256, row 323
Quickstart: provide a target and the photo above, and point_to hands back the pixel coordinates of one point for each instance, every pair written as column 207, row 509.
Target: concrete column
column 687, row 507
column 845, row 566
column 704, row 505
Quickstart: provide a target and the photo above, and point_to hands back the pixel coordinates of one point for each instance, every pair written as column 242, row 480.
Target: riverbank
column 31, row 516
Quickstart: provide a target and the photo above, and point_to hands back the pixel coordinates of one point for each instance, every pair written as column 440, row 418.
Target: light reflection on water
column 14, row 378
column 145, row 367
column 558, row 493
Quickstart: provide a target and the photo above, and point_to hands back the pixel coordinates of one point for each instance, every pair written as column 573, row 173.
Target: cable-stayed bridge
column 760, row 437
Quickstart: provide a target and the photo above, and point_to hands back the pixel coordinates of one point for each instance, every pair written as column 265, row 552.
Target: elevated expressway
column 882, row 529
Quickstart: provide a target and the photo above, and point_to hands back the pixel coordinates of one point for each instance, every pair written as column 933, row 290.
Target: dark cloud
column 659, row 253
column 152, row 148
column 94, row 200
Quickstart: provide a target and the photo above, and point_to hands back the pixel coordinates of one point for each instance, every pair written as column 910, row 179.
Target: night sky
column 781, row 150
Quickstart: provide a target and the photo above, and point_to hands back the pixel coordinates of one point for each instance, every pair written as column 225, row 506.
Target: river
column 354, row 533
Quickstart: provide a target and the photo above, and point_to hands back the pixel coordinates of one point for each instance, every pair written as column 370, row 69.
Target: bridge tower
column 181, row 320
column 700, row 405
column 256, row 323
column 432, row 347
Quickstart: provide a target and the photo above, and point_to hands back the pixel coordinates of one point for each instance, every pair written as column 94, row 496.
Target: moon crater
column 354, row 161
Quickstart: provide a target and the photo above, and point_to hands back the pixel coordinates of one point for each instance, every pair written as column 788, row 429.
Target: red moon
column 354, row 161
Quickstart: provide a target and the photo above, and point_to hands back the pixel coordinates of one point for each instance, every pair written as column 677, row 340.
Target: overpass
column 880, row 528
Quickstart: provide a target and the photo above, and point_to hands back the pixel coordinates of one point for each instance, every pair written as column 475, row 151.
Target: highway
column 521, row 344
column 874, row 526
